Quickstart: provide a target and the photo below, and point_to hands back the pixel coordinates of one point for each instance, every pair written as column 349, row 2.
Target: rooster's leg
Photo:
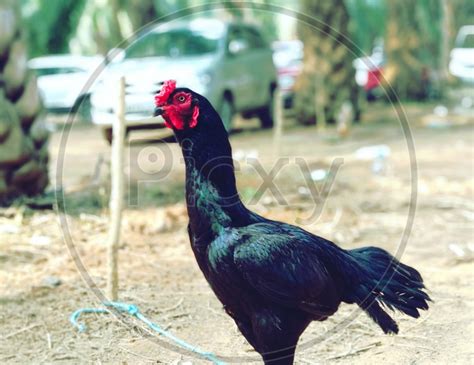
column 277, row 332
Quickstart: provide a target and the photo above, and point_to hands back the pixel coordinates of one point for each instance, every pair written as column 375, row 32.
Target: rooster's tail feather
column 386, row 282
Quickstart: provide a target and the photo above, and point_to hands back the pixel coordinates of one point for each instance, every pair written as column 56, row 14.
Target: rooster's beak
column 158, row 111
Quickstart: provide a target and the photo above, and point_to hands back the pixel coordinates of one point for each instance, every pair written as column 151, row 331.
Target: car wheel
column 266, row 114
column 83, row 108
column 107, row 133
column 226, row 112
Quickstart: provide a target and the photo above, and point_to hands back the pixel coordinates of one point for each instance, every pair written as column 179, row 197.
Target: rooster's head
column 178, row 106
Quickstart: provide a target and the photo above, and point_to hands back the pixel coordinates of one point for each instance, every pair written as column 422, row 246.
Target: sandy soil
column 41, row 285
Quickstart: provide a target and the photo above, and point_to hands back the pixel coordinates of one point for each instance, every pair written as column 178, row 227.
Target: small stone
column 304, row 191
column 163, row 222
column 51, row 281
column 267, row 200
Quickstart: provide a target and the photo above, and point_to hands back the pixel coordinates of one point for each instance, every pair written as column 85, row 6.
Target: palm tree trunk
column 23, row 136
column 404, row 71
column 327, row 80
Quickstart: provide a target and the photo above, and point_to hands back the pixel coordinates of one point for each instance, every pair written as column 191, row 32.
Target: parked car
column 62, row 80
column 288, row 59
column 461, row 64
column 228, row 63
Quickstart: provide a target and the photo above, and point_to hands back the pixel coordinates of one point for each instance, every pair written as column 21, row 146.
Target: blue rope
column 135, row 312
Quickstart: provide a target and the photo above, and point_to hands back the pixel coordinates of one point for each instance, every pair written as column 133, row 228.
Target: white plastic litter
column 242, row 155
column 440, row 111
column 372, row 152
column 303, row 190
column 9, row 228
column 378, row 154
column 318, row 175
column 39, row 240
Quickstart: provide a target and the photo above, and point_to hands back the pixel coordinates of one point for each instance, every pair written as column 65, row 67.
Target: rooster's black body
column 274, row 278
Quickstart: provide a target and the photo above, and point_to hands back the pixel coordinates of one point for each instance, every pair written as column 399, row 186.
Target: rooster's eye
column 181, row 98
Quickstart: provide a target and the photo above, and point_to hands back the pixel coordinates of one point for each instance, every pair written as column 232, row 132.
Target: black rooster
column 272, row 278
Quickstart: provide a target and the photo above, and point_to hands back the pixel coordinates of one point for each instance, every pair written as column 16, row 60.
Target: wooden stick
column 278, row 113
column 355, row 351
column 116, row 195
column 20, row 331
column 319, row 99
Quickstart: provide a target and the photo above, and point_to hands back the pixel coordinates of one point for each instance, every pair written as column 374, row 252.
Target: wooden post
column 319, row 102
column 116, row 195
column 278, row 127
column 446, row 26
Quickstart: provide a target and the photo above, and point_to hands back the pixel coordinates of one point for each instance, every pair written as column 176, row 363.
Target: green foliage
column 267, row 22
column 428, row 14
column 368, row 22
column 463, row 13
column 50, row 24
column 265, row 19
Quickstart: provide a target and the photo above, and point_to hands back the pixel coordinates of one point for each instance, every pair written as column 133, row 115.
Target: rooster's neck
column 211, row 194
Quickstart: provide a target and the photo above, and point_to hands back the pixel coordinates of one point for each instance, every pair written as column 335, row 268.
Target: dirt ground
column 41, row 284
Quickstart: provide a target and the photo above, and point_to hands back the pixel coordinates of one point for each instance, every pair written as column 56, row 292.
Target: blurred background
column 315, row 79
column 325, row 64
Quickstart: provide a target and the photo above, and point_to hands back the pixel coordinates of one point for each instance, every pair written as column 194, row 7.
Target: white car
column 462, row 56
column 63, row 80
column 228, row 63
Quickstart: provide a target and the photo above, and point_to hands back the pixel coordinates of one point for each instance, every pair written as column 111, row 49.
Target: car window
column 253, row 37
column 174, row 43
column 235, row 34
column 46, row 71
column 250, row 36
column 468, row 41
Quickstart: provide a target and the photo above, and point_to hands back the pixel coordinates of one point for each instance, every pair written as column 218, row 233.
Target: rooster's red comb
column 162, row 97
